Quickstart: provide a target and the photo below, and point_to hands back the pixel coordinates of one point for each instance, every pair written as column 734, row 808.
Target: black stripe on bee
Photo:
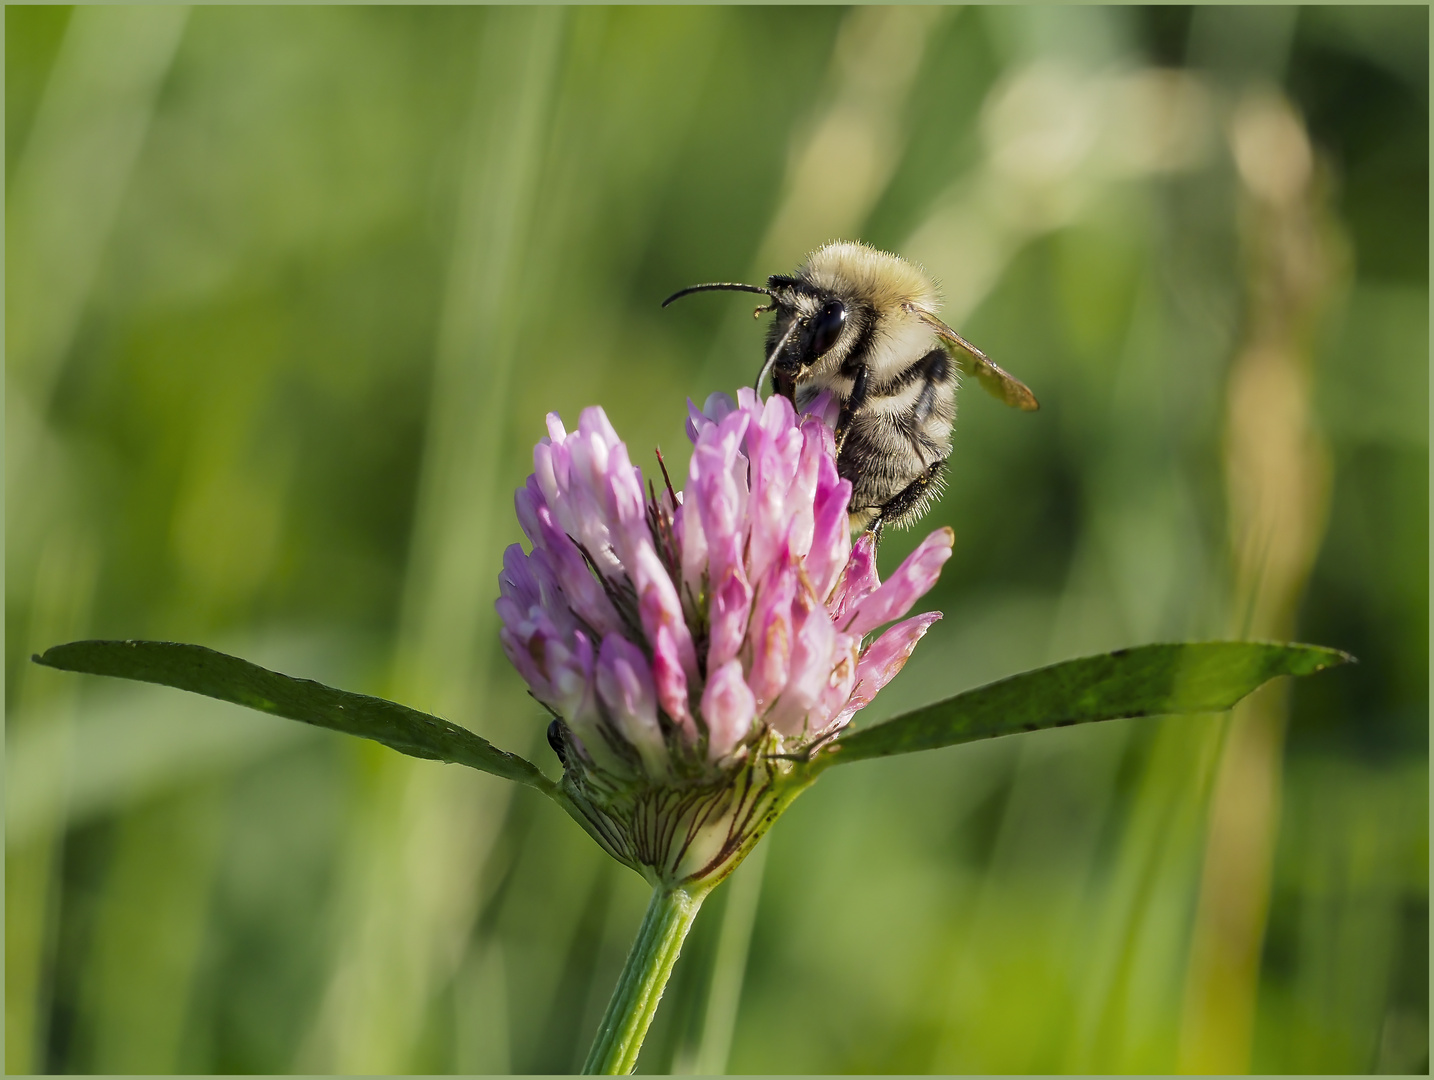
column 925, row 401
column 806, row 288
column 934, row 368
column 855, row 359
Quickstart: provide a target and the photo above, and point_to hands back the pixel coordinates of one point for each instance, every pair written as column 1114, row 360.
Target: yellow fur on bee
column 883, row 279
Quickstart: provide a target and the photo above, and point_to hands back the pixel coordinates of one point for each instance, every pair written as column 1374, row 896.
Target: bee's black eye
column 826, row 326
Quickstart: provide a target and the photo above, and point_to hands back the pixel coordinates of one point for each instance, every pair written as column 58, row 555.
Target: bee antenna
column 772, row 356
column 732, row 286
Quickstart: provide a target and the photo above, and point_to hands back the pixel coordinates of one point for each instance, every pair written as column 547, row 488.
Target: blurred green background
column 288, row 293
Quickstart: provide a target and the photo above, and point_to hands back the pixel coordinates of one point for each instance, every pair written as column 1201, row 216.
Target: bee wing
column 996, row 380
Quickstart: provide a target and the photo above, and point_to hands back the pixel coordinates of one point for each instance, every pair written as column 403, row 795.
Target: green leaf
column 1151, row 680
column 218, row 675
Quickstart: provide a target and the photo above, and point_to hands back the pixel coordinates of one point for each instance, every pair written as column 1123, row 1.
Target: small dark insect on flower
column 555, row 740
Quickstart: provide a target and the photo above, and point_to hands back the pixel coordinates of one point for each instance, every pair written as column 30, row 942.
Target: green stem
column 639, row 988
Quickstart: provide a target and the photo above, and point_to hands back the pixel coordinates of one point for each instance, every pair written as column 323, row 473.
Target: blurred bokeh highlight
column 288, row 293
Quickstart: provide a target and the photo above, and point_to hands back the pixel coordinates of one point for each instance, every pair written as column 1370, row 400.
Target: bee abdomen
column 911, row 502
column 882, row 454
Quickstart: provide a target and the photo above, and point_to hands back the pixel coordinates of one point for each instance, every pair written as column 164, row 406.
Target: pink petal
column 671, row 681
column 770, row 633
column 802, row 491
column 516, row 582
column 884, row 658
column 718, row 405
column 590, row 511
column 593, row 421
column 583, row 592
column 887, row 655
column 628, row 512
column 778, row 416
column 515, row 648
column 858, row 579
column 554, row 659
column 525, row 635
column 831, row 531
column 774, row 447
column 564, row 474
column 658, row 605
column 625, row 686
column 913, row 580
column 692, row 542
column 556, row 665
column 812, row 659
column 550, row 593
column 829, row 711
column 713, row 411
column 570, row 672
column 545, row 471
column 695, row 420
column 728, row 707
column 573, row 671
column 825, row 408
column 831, row 527
column 729, row 605
column 526, row 501
column 718, row 496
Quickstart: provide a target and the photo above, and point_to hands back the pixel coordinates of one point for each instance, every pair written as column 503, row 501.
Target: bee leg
column 878, row 528
column 854, row 401
column 908, row 503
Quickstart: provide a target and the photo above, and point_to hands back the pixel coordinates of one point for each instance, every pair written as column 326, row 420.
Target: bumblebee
column 862, row 324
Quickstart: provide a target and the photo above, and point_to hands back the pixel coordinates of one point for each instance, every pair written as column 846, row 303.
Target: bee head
column 809, row 322
column 828, row 310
